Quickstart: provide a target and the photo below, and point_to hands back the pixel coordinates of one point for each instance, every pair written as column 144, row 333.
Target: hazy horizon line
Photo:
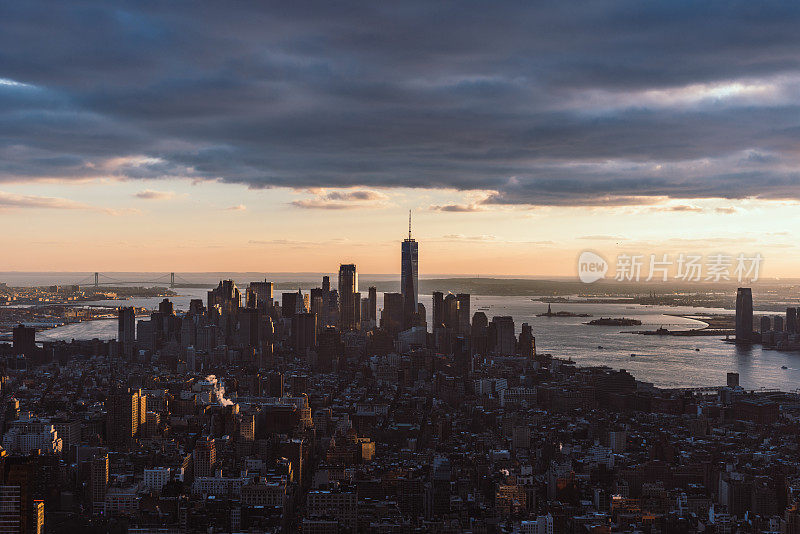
column 431, row 276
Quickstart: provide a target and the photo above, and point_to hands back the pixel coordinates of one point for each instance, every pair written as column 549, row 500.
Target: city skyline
column 213, row 319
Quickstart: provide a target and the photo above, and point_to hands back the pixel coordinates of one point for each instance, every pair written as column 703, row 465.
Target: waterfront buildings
column 744, row 315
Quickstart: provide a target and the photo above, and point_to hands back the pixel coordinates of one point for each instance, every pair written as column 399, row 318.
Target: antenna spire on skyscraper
column 409, row 224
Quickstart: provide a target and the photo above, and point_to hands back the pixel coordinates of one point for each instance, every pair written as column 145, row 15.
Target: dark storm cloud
column 543, row 104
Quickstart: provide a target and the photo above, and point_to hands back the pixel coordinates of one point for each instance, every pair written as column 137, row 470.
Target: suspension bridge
column 100, row 279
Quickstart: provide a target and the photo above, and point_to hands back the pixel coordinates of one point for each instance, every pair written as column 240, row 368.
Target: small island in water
column 614, row 321
column 550, row 313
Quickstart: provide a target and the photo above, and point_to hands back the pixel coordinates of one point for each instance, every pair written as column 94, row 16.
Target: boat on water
column 784, row 367
column 633, row 355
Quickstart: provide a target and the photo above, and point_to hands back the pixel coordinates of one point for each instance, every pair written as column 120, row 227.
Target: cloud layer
column 341, row 200
column 15, row 202
column 149, row 194
column 617, row 102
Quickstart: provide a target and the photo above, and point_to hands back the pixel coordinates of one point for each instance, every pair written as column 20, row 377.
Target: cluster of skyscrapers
column 238, row 326
column 781, row 331
column 316, row 411
column 778, row 331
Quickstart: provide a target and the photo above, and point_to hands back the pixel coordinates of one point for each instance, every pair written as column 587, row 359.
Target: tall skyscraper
column 744, row 315
column 463, row 312
column 409, row 276
column 450, row 314
column 372, row 295
column 479, row 333
column 126, row 331
column 349, row 298
column 304, row 331
column 274, row 384
column 251, row 299
column 438, row 309
column 196, row 307
column 24, row 340
column 10, row 509
column 24, row 483
column 527, row 343
column 228, row 297
column 99, row 480
column 317, row 305
column 330, row 350
column 37, row 523
column 264, row 294
column 502, row 337
column 204, row 457
column 320, row 303
column 125, row 411
column 392, row 314
column 292, row 303
column 439, row 497
column 251, row 327
column 365, row 315
column 333, row 308
column 166, row 307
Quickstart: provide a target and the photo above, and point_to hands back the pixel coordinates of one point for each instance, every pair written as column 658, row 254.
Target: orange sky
column 174, row 225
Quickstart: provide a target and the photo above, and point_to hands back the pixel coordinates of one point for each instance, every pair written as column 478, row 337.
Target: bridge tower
column 96, row 279
column 172, row 280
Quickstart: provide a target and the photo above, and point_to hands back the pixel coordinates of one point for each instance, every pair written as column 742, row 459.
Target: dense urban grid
column 315, row 413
